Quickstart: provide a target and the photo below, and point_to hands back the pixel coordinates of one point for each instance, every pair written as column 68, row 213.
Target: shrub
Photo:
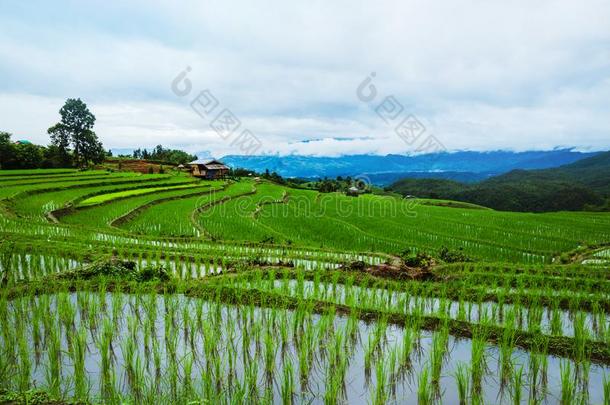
column 416, row 259
column 150, row 273
column 452, row 256
column 116, row 268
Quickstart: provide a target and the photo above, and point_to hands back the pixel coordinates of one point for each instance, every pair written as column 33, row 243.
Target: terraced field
column 121, row 287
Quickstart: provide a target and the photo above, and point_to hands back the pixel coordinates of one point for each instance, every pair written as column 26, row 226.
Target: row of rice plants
column 323, row 221
column 30, row 189
column 100, row 216
column 106, row 197
column 146, row 347
column 176, row 217
column 37, row 205
column 36, row 172
column 236, row 219
column 385, row 224
column 526, row 316
column 580, row 271
column 21, row 180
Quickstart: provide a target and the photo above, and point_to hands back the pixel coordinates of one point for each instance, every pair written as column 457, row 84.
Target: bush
column 416, row 259
column 451, row 256
column 115, row 268
column 151, row 170
column 151, row 273
column 33, row 397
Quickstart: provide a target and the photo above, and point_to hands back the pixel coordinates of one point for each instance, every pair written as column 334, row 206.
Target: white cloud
column 482, row 75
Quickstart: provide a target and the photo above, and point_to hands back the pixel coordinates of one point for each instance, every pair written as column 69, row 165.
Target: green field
column 130, row 288
column 102, row 198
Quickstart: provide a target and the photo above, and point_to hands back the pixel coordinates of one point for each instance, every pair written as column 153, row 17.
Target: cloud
column 481, row 75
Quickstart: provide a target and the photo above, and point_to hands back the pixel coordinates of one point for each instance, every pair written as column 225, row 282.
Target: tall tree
column 75, row 129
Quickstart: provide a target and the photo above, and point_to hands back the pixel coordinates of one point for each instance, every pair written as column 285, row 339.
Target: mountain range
column 465, row 166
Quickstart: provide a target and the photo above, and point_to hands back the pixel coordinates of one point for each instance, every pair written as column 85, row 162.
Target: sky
column 472, row 75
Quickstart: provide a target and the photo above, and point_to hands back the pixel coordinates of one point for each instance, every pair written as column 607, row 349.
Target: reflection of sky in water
column 357, row 390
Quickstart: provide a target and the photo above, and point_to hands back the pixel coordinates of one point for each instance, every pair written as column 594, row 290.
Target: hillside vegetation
column 584, row 184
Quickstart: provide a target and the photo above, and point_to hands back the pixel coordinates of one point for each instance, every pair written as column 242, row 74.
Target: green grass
column 99, row 216
column 102, row 198
column 35, row 172
column 42, row 178
column 36, row 205
column 238, row 218
column 16, row 190
column 449, row 203
column 175, row 218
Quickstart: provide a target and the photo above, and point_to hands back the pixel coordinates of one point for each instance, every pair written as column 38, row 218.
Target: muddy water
column 229, row 324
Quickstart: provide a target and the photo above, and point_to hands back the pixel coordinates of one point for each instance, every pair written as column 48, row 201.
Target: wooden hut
column 209, row 169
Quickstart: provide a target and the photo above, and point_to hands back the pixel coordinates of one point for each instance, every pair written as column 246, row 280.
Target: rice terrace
column 121, row 286
column 304, row 202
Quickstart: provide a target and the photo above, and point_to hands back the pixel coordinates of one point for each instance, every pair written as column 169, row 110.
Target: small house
column 353, row 191
column 209, row 169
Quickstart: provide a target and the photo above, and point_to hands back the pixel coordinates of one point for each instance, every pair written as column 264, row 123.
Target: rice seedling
column 79, row 347
column 423, row 389
column 478, row 363
column 517, row 384
column 568, row 389
column 287, row 383
column 461, row 376
column 606, row 383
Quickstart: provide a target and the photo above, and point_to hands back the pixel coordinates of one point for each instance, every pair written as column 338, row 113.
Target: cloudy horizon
column 478, row 75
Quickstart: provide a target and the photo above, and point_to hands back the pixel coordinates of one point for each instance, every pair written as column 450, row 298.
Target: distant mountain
column 575, row 186
column 465, row 166
column 384, row 179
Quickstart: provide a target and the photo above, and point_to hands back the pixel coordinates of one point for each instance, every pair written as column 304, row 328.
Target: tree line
column 159, row 153
column 73, row 143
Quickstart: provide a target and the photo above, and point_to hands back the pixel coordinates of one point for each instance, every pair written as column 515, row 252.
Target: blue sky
column 480, row 75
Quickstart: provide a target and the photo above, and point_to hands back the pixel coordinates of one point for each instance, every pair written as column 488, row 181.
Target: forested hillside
column 584, row 184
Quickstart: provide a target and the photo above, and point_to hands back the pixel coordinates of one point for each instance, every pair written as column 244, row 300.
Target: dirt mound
column 392, row 271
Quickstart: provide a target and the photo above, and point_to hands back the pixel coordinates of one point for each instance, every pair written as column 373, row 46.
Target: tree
column 61, row 139
column 28, row 155
column 75, row 130
column 7, row 150
column 52, row 157
column 87, row 148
